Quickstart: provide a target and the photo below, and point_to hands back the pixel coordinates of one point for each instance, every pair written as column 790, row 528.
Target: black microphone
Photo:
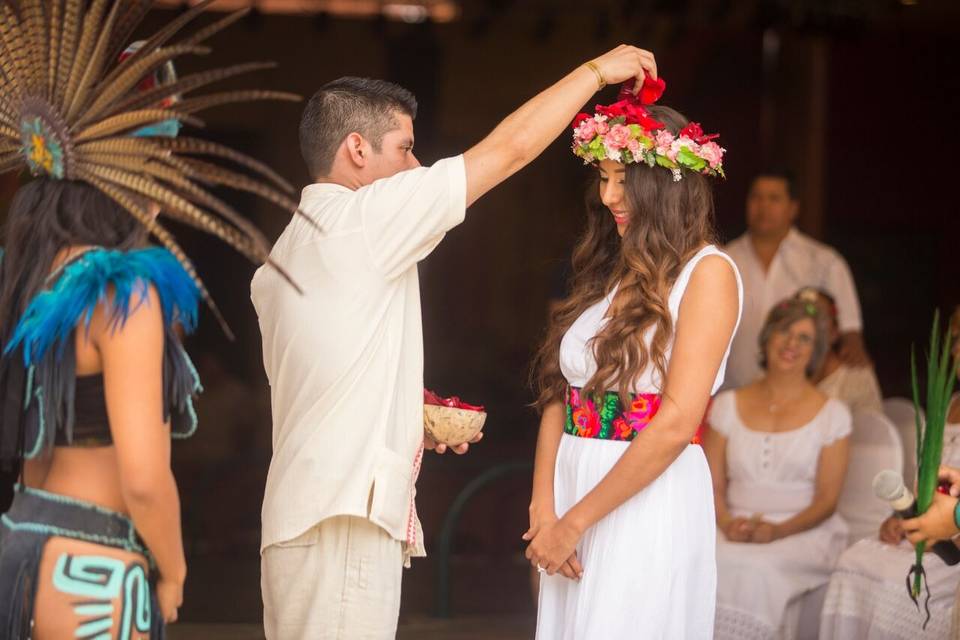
column 888, row 486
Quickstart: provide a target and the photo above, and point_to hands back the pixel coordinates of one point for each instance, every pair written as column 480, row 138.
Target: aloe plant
column 941, row 377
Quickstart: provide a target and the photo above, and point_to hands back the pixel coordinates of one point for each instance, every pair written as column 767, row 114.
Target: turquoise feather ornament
column 53, row 314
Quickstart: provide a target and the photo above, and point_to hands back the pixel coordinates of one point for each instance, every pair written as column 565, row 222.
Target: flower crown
column 809, row 306
column 625, row 132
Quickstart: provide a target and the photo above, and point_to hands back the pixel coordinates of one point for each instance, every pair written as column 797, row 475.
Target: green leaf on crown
column 690, row 160
column 664, row 161
column 597, row 149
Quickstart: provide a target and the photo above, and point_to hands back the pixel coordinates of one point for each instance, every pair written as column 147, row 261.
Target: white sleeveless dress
column 649, row 567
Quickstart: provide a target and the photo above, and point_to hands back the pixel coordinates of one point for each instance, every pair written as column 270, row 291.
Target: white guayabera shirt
column 345, row 359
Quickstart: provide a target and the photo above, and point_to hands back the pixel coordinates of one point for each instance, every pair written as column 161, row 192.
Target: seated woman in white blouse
column 777, row 450
column 857, row 386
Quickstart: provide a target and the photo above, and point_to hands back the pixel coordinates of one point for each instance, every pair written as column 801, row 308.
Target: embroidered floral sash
column 605, row 417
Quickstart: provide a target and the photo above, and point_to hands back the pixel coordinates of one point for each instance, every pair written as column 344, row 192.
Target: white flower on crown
column 682, row 142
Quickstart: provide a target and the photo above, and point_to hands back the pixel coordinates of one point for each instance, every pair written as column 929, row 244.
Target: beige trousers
column 338, row 581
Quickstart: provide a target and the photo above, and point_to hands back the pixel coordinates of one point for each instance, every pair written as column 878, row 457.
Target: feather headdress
column 72, row 108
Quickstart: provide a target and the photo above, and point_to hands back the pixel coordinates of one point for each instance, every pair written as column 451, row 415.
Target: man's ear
column 357, row 149
column 794, row 209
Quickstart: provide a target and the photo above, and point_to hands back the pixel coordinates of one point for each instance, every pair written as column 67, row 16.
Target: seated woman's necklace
column 775, row 406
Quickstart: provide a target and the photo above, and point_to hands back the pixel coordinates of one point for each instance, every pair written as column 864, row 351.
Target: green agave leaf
column 915, row 387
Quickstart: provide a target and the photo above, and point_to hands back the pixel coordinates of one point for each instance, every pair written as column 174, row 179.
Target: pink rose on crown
column 663, row 141
column 602, row 127
column 712, row 153
column 633, row 145
column 587, row 130
column 617, row 137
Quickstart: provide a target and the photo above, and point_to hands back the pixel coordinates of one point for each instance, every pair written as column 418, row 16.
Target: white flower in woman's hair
column 677, row 176
column 808, row 294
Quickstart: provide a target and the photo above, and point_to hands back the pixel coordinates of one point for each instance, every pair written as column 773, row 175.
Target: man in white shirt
column 775, row 261
column 345, row 358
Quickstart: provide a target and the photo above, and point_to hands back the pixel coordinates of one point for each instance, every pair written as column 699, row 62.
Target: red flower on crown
column 649, row 93
column 631, row 111
column 695, row 133
column 580, row 117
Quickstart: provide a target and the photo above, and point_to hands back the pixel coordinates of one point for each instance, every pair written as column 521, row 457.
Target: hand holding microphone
column 888, row 485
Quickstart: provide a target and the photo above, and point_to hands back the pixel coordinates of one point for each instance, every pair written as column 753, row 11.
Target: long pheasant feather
column 68, row 44
column 184, row 85
column 132, row 73
column 195, row 146
column 94, row 65
column 163, row 35
column 90, row 27
column 131, row 120
column 158, row 231
column 193, row 105
column 133, row 13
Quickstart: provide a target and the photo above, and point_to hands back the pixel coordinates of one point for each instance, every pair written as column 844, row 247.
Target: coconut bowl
column 452, row 426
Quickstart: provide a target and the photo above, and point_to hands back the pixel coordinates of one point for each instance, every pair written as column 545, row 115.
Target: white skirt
column 649, row 568
column 760, row 585
column 868, row 597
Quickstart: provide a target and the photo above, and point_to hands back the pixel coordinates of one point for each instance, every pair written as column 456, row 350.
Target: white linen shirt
column 800, row 262
column 345, row 358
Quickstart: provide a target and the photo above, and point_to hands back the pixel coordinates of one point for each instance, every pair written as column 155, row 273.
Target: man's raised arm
column 525, row 133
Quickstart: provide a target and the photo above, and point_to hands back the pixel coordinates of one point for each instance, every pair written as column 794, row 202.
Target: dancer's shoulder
column 120, row 280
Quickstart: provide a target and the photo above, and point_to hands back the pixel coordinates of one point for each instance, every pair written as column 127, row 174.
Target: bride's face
column 612, row 176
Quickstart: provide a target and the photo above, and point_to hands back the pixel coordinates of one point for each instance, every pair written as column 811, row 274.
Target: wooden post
column 814, row 163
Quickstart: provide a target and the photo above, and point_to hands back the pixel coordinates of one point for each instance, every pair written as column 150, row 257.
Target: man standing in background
column 775, row 261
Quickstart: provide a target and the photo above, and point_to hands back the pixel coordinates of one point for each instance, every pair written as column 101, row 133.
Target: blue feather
column 54, row 313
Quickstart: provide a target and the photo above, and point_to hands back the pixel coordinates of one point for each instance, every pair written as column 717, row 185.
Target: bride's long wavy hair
column 669, row 222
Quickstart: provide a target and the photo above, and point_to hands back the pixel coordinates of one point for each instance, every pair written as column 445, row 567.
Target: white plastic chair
column 874, row 446
column 806, row 612
column 901, row 413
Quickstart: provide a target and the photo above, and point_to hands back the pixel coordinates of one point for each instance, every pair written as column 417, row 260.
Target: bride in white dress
column 621, row 517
